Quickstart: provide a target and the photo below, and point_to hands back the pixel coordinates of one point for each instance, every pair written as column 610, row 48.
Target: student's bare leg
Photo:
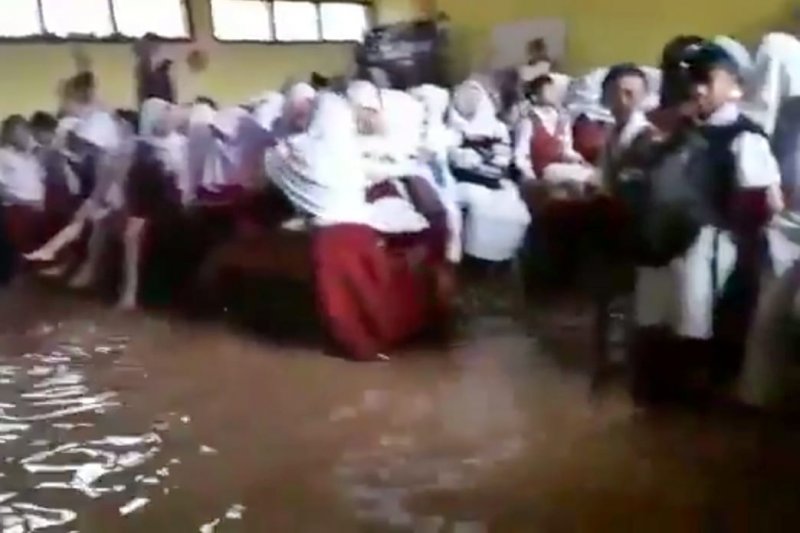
column 66, row 236
column 87, row 272
column 132, row 243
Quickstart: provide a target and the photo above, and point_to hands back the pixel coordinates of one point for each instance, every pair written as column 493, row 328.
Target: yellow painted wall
column 236, row 71
column 607, row 31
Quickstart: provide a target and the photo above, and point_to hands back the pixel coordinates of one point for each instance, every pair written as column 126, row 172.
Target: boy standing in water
column 709, row 297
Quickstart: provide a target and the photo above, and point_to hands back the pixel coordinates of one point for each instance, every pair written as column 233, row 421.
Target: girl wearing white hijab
column 296, row 110
column 366, row 304
column 497, row 218
column 389, row 134
column 773, row 101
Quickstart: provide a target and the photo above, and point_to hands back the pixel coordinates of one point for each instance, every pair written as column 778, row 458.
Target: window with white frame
column 94, row 19
column 290, row 20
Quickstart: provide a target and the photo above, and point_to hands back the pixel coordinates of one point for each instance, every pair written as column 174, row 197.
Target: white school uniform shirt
column 550, row 119
column 22, row 178
column 682, row 295
column 617, row 144
column 321, row 171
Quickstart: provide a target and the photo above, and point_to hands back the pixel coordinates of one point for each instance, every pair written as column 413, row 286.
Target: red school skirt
column 369, row 298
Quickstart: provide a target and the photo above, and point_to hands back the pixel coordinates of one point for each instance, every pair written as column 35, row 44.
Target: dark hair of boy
column 11, row 123
column 534, row 88
column 43, row 121
column 620, row 71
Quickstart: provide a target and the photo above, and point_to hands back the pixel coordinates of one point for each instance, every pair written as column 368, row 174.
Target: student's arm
column 523, row 136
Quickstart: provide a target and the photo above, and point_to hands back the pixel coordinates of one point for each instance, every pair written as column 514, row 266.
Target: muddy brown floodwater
column 143, row 423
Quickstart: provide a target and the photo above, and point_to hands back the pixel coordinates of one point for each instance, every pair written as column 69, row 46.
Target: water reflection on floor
column 137, row 423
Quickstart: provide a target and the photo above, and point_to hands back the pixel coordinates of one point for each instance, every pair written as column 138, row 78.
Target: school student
column 496, row 217
column 368, row 302
column 705, row 293
column 22, row 186
column 543, row 141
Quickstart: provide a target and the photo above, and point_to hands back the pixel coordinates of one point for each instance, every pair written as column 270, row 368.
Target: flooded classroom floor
column 113, row 422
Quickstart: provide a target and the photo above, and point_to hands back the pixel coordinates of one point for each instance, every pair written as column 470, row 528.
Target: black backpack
column 686, row 184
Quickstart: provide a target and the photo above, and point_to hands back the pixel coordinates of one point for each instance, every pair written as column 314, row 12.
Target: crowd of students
column 392, row 187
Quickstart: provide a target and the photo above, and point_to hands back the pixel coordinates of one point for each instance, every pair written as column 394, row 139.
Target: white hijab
column 364, row 94
column 201, row 145
column 473, row 114
column 321, row 170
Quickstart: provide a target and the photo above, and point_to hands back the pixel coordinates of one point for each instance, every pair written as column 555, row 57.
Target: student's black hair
column 207, row 101
column 674, row 84
column 43, row 121
column 9, row 125
column 130, row 116
column 318, row 81
column 700, row 62
column 534, row 88
column 619, row 71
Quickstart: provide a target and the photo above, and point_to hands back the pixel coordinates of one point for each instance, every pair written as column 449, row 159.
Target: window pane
column 77, row 17
column 296, row 21
column 241, row 20
column 19, row 18
column 165, row 18
column 343, row 21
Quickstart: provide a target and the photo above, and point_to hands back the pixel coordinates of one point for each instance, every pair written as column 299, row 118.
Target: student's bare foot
column 382, row 357
column 40, row 256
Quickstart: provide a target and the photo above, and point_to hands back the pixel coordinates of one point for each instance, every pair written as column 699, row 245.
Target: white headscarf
column 473, row 114
column 364, row 94
column 776, row 77
column 300, row 92
column 156, row 114
column 321, row 170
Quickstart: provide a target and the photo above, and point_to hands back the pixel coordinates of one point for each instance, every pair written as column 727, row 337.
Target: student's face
column 20, row 137
column 467, row 101
column 627, row 96
column 298, row 114
column 547, row 95
column 709, row 95
column 44, row 137
column 368, row 121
